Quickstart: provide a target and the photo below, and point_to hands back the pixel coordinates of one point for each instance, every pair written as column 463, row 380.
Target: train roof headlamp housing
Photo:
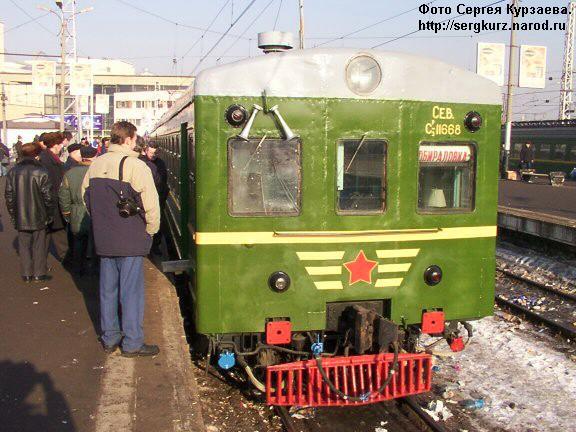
column 433, row 275
column 473, row 121
column 279, row 281
column 236, row 115
column 363, row 74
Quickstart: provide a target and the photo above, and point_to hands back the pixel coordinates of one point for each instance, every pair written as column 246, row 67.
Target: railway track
column 524, row 296
column 401, row 415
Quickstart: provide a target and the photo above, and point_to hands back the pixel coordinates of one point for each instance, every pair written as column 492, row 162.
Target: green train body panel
column 231, row 280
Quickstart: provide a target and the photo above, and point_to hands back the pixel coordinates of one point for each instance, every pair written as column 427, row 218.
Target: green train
column 554, row 144
column 333, row 205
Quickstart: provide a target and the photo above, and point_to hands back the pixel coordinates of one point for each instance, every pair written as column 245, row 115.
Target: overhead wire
column 372, row 25
column 205, row 31
column 168, row 20
column 247, row 28
column 223, row 35
column 33, row 18
column 26, row 22
column 439, row 22
column 277, row 15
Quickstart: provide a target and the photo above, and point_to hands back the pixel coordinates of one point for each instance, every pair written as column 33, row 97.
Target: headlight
column 236, row 115
column 363, row 74
column 433, row 275
column 473, row 121
column 279, row 281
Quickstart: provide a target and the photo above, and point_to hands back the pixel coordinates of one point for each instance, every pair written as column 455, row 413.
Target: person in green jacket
column 75, row 213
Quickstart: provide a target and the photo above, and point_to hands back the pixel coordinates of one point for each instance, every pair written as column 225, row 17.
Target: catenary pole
column 62, row 98
column 510, row 95
column 301, row 24
column 3, row 98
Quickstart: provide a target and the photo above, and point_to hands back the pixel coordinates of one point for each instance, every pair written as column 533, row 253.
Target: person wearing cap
column 75, row 213
column 74, row 156
column 30, row 204
column 18, row 149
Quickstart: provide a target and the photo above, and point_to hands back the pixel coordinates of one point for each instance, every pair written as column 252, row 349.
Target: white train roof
column 322, row 73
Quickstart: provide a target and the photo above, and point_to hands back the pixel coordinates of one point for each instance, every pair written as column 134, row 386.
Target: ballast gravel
column 526, row 381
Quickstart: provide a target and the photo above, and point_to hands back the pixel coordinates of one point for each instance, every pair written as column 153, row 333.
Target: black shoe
column 110, row 349
column 27, row 279
column 144, row 351
column 43, row 278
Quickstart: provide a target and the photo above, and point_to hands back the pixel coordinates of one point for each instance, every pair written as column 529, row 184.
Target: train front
column 346, row 204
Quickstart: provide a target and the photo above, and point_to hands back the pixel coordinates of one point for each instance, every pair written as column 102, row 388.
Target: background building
column 144, row 109
column 115, row 78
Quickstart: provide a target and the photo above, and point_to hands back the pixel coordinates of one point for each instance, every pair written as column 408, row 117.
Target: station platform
column 538, row 209
column 54, row 375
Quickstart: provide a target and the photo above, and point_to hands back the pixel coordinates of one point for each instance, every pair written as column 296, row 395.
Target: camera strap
column 121, row 168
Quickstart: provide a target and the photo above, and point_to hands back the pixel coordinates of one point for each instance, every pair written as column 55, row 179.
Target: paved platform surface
column 54, row 375
column 539, row 198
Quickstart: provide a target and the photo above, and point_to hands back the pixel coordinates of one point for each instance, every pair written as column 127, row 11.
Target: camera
column 127, row 207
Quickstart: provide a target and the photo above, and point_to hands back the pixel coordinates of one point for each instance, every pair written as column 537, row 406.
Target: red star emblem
column 360, row 269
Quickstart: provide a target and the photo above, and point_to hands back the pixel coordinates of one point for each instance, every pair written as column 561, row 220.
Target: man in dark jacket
column 18, row 149
column 74, row 156
column 121, row 198
column 527, row 156
column 50, row 159
column 74, row 211
column 30, row 204
column 160, row 175
column 4, row 159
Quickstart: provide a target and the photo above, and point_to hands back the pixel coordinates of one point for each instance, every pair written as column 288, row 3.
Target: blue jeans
column 122, row 278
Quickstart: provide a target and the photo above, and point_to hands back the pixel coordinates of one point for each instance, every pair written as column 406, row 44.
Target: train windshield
column 264, row 177
column 446, row 178
column 360, row 183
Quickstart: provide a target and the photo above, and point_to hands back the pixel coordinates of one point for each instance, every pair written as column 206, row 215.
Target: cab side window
column 361, row 176
column 264, row 177
column 446, row 177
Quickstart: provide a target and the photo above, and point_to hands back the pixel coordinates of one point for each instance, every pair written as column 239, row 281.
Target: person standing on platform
column 50, row 159
column 105, row 144
column 527, row 156
column 160, row 174
column 121, row 198
column 74, row 211
column 30, row 204
column 18, row 149
column 4, row 159
column 74, row 156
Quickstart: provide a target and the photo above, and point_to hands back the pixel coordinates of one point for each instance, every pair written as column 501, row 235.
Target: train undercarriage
column 360, row 358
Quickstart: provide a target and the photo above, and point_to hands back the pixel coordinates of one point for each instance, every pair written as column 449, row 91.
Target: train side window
column 446, row 177
column 361, row 176
column 264, row 177
column 543, row 151
column 560, row 152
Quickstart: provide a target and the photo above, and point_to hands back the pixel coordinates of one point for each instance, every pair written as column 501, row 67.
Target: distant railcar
column 334, row 205
column 554, row 144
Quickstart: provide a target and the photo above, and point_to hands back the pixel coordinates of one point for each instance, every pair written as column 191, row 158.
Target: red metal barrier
column 300, row 383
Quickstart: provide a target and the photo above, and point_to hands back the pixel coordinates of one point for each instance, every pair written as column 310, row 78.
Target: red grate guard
column 300, row 383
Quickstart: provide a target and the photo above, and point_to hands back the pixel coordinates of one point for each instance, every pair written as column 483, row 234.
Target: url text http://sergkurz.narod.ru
column 446, row 22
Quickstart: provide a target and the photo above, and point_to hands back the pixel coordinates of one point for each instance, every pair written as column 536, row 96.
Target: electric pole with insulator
column 510, row 94
column 566, row 99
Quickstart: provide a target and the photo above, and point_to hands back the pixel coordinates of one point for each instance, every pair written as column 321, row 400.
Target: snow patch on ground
column 526, row 384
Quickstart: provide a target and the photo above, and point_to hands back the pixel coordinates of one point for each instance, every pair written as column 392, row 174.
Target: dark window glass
column 560, row 151
column 264, row 177
column 446, row 178
column 543, row 151
column 360, row 176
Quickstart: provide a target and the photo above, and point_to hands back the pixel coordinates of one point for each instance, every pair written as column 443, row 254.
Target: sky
column 169, row 37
